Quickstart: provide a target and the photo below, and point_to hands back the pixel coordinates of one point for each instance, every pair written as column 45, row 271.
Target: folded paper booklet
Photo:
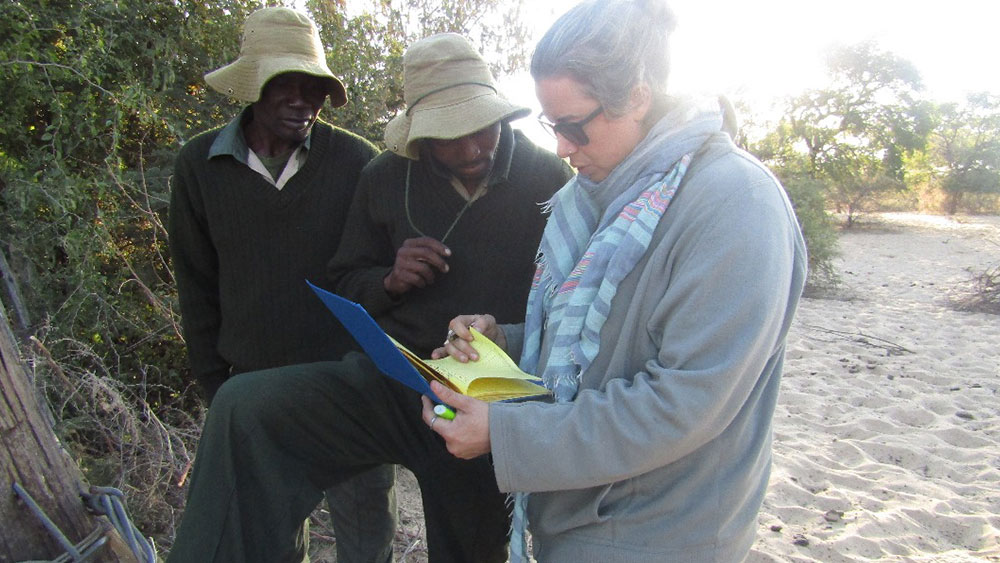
column 494, row 377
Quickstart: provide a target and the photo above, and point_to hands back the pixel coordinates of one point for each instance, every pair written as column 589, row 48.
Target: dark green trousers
column 274, row 440
column 363, row 515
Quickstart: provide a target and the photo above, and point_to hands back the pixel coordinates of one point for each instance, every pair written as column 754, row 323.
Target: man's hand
column 418, row 263
column 468, row 434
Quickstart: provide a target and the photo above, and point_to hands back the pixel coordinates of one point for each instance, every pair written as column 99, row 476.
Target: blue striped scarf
column 595, row 236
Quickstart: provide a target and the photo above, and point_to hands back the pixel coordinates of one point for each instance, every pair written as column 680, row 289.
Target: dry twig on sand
column 891, row 348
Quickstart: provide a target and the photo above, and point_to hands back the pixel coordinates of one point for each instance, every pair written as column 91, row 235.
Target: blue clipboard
column 374, row 341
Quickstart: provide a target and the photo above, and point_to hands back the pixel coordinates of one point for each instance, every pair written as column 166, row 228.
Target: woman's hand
column 456, row 344
column 468, row 434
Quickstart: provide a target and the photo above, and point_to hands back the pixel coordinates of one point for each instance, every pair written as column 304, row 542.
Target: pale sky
column 762, row 50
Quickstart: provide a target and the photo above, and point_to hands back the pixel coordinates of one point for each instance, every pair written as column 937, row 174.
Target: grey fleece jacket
column 665, row 453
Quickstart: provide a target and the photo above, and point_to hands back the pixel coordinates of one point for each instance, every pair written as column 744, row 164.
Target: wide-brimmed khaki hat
column 449, row 93
column 275, row 41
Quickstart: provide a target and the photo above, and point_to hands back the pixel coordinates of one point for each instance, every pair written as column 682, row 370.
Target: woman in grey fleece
column 668, row 275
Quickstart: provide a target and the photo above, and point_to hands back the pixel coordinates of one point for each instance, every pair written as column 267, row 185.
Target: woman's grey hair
column 610, row 47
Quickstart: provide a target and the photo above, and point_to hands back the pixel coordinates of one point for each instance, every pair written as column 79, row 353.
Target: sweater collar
column 231, row 142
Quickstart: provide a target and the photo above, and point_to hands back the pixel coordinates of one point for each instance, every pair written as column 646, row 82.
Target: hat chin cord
column 409, row 217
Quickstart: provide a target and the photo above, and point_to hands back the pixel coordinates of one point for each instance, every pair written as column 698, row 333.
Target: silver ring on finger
column 433, row 420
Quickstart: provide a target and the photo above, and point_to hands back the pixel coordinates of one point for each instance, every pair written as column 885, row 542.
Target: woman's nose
column 564, row 147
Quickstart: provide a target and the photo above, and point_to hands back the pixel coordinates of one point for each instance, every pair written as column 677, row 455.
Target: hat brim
column 244, row 78
column 448, row 122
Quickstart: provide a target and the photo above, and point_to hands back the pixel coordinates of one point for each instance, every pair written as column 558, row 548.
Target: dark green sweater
column 242, row 251
column 493, row 244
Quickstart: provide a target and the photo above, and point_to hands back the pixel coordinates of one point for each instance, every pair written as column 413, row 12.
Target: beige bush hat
column 449, row 93
column 275, row 41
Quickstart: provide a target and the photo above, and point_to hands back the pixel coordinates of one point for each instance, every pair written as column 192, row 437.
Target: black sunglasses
column 572, row 131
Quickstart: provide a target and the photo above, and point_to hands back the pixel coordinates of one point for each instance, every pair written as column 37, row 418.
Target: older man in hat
column 446, row 220
column 258, row 206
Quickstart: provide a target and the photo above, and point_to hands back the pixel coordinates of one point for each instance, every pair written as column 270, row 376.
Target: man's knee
column 257, row 395
column 381, row 477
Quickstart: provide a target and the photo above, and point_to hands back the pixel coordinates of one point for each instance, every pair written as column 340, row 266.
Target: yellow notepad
column 494, row 377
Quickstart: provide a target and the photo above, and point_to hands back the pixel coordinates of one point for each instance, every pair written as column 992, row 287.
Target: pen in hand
column 451, row 333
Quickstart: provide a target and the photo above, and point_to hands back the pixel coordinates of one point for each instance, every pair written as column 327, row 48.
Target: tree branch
column 82, row 76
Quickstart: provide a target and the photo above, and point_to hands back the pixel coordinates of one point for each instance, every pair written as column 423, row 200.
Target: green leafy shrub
column 99, row 95
column 809, row 200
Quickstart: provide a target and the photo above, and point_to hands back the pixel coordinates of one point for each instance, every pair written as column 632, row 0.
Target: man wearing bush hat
column 447, row 220
column 257, row 207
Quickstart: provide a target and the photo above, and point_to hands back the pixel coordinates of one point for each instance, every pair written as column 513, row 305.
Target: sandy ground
column 887, row 434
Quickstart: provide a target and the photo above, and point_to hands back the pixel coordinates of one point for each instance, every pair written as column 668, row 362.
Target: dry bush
column 930, row 200
column 985, row 294
column 897, row 201
column 935, row 201
column 120, row 441
column 117, row 438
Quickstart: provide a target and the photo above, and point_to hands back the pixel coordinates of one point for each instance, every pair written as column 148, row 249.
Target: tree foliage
column 86, row 142
column 101, row 94
column 855, row 134
column 98, row 97
column 965, row 147
column 372, row 35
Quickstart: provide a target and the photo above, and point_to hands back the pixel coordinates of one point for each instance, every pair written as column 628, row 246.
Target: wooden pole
column 32, row 459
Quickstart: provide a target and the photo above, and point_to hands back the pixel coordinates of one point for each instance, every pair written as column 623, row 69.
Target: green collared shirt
column 231, row 142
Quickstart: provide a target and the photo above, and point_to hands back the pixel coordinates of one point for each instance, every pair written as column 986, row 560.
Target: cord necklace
column 406, row 205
